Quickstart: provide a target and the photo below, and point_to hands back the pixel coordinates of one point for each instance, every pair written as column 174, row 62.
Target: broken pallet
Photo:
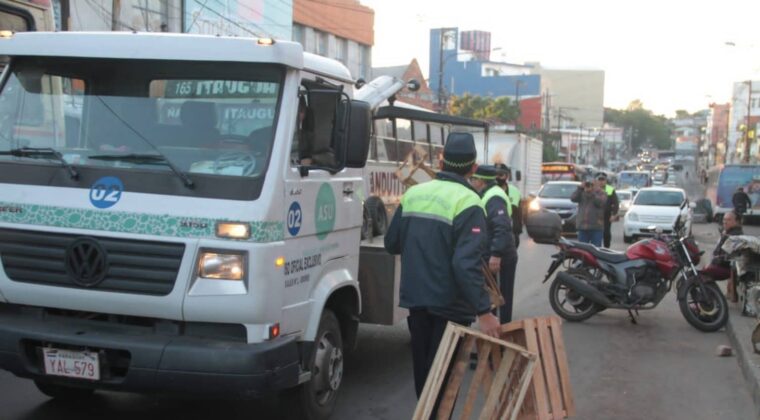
column 550, row 396
column 498, row 384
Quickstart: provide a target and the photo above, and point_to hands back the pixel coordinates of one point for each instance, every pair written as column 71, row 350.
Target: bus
column 634, row 180
column 722, row 182
column 561, row 171
column 405, row 149
column 23, row 16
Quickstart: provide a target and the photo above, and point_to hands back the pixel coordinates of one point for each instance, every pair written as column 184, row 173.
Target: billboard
column 249, row 18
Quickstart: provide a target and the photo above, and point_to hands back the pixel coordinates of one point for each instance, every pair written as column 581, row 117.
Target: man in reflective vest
column 610, row 208
column 503, row 176
column 501, row 245
column 440, row 231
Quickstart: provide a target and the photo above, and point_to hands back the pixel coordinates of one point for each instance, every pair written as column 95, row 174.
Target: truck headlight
column 214, row 265
column 633, row 217
column 534, row 206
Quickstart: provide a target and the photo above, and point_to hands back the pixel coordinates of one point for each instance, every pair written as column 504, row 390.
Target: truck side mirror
column 518, row 176
column 359, row 129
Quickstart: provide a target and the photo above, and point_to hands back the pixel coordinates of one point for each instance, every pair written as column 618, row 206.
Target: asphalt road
column 661, row 368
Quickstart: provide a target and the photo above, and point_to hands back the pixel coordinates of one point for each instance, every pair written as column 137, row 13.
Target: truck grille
column 131, row 266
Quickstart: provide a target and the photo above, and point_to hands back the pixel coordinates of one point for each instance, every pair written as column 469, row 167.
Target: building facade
column 743, row 121
column 339, row 29
column 717, row 134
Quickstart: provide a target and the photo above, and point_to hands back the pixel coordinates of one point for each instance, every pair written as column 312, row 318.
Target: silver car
column 554, row 196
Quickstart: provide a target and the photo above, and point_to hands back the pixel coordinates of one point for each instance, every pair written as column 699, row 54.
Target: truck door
column 322, row 203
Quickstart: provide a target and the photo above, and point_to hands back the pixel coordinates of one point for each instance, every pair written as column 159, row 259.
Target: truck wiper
column 147, row 158
column 41, row 153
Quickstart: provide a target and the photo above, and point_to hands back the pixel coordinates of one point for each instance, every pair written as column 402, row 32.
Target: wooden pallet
column 550, row 395
column 498, row 384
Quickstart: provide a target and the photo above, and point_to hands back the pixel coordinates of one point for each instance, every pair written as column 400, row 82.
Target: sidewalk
column 739, row 331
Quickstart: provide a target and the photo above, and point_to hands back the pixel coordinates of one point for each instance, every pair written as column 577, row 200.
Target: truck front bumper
column 139, row 359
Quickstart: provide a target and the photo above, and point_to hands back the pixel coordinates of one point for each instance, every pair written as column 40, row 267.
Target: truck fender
column 335, row 278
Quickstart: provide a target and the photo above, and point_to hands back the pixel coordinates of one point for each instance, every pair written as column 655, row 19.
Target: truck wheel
column 315, row 400
column 62, row 391
column 379, row 215
column 366, row 232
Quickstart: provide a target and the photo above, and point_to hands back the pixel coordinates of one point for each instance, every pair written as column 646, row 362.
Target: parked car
column 656, row 208
column 625, row 197
column 554, row 196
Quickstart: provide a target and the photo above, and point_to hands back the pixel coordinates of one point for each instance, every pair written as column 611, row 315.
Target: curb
column 739, row 333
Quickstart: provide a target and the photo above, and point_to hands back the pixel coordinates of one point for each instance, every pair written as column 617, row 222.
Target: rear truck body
column 160, row 230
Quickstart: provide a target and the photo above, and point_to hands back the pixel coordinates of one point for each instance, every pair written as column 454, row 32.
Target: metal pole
column 115, row 14
column 440, row 71
column 746, row 127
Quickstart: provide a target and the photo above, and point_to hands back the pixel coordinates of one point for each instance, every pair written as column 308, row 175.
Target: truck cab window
column 316, row 127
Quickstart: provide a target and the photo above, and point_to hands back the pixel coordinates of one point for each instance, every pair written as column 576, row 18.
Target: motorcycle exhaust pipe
column 584, row 289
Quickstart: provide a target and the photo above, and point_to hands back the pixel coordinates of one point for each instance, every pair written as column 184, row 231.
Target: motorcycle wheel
column 704, row 307
column 570, row 305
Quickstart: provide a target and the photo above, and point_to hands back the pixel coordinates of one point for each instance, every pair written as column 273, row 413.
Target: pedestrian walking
column 504, row 178
column 590, row 218
column 502, row 253
column 440, row 231
column 611, row 206
column 741, row 202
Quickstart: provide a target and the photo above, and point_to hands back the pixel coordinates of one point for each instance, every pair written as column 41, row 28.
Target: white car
column 653, row 208
column 625, row 198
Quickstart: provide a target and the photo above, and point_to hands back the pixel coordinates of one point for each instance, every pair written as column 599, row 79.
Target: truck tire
column 68, row 393
column 315, row 399
column 379, row 215
column 367, row 228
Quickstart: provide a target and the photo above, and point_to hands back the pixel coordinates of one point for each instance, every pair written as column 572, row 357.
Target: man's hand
column 489, row 324
column 494, row 264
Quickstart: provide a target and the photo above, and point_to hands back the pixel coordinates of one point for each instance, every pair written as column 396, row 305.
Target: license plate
column 72, row 364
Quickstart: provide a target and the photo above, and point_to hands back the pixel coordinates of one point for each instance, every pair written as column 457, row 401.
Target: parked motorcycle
column 595, row 279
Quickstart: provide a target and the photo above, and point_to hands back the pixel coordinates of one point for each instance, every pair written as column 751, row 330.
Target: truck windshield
column 202, row 118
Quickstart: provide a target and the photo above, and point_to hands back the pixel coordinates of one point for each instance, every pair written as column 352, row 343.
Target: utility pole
column 115, row 14
column 440, row 70
column 746, row 126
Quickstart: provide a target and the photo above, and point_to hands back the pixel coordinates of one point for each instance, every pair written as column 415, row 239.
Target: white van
column 159, row 227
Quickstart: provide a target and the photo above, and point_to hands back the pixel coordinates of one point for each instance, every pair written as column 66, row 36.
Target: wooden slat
column 499, row 380
column 564, row 370
column 550, row 368
column 439, row 374
column 424, row 408
column 524, row 385
column 484, row 352
column 455, row 378
column 539, row 385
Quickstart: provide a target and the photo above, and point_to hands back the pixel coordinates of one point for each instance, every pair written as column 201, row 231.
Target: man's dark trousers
column 426, row 330
column 607, row 231
column 507, row 286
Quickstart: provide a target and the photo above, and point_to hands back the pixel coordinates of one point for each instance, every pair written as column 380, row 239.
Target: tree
column 641, row 126
column 495, row 110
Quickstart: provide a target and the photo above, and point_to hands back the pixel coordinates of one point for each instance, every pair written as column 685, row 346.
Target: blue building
column 460, row 63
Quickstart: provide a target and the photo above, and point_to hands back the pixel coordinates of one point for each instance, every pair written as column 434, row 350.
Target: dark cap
column 502, row 169
column 459, row 151
column 485, row 172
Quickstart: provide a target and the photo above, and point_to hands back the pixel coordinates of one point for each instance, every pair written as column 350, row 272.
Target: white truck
column 160, row 227
column 522, row 153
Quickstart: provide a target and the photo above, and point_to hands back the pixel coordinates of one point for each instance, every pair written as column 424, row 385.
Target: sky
column 670, row 54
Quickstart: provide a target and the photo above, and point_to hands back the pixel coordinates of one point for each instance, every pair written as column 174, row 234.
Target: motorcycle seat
column 602, row 254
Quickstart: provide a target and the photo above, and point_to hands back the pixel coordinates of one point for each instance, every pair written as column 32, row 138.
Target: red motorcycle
column 637, row 279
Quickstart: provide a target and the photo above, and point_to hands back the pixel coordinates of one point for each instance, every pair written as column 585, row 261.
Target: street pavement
column 661, row 368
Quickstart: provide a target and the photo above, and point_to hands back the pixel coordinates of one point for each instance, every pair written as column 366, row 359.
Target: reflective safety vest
column 438, row 200
column 514, row 195
column 609, row 189
column 496, row 191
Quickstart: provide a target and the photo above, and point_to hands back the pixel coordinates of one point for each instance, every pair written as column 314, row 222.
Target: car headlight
column 218, row 266
column 534, row 206
column 633, row 217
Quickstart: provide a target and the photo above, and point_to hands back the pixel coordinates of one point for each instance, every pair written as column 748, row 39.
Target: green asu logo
column 324, row 215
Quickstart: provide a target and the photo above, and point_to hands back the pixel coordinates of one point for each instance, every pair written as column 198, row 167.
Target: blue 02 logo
column 106, row 192
column 294, row 218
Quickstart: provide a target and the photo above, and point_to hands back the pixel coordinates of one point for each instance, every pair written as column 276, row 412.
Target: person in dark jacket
column 611, row 207
column 503, row 178
column 720, row 268
column 502, row 252
column 590, row 218
column 741, row 202
column 440, row 231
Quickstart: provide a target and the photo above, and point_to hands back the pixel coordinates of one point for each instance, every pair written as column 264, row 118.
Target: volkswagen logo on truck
column 86, row 262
